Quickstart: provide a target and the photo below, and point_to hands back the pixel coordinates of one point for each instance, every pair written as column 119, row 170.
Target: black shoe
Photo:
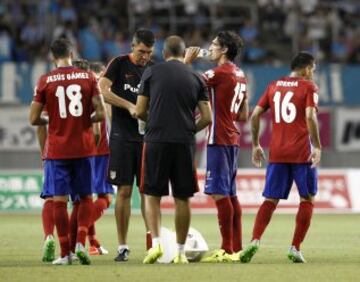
column 123, row 255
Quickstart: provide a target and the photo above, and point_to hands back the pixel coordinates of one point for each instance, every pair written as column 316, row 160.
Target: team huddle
column 156, row 110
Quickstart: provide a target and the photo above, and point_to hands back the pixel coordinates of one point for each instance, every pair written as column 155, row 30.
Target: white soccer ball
column 195, row 245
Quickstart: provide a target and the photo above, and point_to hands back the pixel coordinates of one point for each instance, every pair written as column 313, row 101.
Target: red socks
column 48, row 217
column 237, row 236
column 263, row 218
column 74, row 225
column 225, row 217
column 84, row 219
column 92, row 237
column 101, row 204
column 62, row 226
column 303, row 219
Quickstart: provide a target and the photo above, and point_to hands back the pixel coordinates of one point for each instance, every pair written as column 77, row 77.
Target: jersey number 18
column 73, row 92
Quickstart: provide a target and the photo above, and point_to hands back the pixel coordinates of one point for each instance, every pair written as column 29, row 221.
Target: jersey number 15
column 73, row 92
column 239, row 93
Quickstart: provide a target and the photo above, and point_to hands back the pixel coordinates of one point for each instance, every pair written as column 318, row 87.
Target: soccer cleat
column 235, row 257
column 218, row 256
column 82, row 254
column 153, row 254
column 295, row 256
column 66, row 260
column 73, row 257
column 180, row 259
column 103, row 251
column 93, row 251
column 123, row 255
column 247, row 254
column 49, row 249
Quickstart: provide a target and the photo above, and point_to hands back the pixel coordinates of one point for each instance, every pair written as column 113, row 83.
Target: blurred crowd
column 272, row 29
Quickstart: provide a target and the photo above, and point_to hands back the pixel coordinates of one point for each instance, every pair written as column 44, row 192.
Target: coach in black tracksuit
column 119, row 85
column 171, row 91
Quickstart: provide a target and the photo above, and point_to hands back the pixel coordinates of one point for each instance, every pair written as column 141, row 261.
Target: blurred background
column 273, row 31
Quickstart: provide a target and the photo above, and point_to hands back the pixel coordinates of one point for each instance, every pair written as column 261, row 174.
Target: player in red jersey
column 295, row 150
column 70, row 96
column 229, row 103
column 102, row 188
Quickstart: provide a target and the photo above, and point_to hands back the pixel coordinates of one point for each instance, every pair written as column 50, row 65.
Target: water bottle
column 204, row 53
column 141, row 126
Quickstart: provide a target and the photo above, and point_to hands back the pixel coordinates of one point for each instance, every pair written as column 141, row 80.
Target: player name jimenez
column 69, row 76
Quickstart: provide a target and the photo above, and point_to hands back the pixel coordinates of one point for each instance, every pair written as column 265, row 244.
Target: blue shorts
column 280, row 177
column 71, row 176
column 221, row 170
column 100, row 184
column 47, row 190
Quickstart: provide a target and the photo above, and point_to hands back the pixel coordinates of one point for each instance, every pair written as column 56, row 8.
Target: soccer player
column 120, row 85
column 102, row 188
column 69, row 95
column 229, row 103
column 171, row 91
column 295, row 150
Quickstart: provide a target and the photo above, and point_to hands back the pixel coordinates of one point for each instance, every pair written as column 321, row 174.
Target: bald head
column 174, row 46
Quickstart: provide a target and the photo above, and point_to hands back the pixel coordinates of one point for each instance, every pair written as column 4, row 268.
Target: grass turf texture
column 332, row 249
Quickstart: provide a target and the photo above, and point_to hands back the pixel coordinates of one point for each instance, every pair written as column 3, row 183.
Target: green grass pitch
column 332, row 249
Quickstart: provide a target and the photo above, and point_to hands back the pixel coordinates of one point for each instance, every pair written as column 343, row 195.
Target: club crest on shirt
column 112, row 174
column 208, row 177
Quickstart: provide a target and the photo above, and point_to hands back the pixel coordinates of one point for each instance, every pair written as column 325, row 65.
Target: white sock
column 121, row 247
column 181, row 249
column 155, row 241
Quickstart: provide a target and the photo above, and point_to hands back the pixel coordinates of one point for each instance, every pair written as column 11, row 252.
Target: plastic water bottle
column 141, row 126
column 204, row 53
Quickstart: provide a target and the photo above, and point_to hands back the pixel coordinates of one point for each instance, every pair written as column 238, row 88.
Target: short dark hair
column 81, row 64
column 174, row 46
column 302, row 60
column 61, row 48
column 232, row 41
column 96, row 66
column 144, row 36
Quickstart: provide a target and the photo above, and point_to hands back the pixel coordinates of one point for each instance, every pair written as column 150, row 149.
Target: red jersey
column 67, row 94
column 288, row 99
column 227, row 89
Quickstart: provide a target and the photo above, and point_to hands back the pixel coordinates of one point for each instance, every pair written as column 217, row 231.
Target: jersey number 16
column 73, row 92
column 284, row 109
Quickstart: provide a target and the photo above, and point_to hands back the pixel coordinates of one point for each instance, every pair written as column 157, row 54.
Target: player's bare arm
column 111, row 98
column 99, row 107
column 205, row 115
column 243, row 114
column 36, row 117
column 41, row 133
column 257, row 152
column 97, row 132
column 108, row 110
column 141, row 108
column 313, row 127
